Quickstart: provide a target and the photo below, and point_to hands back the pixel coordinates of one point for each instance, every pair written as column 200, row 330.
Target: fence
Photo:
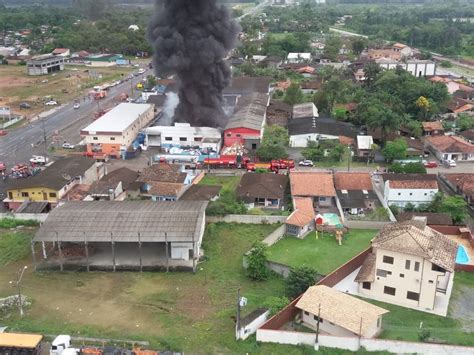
column 275, row 236
column 11, row 122
column 365, row 224
column 40, row 217
column 246, row 219
column 354, row 343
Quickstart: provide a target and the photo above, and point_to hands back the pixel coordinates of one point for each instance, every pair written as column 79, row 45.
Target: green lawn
column 404, row 323
column 227, row 182
column 14, row 245
column 324, row 254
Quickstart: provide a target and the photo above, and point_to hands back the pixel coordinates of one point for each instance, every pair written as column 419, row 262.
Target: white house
column 298, row 57
column 411, row 265
column 339, row 314
column 182, row 134
column 416, row 68
column 364, row 145
column 417, row 189
column 450, row 148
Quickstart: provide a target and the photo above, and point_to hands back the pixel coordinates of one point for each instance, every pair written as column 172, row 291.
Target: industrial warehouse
column 125, row 235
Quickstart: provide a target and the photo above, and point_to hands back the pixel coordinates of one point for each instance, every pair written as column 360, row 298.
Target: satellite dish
column 66, row 176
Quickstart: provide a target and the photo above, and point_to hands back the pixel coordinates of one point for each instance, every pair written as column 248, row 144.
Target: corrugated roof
column 123, row 221
column 250, row 112
column 365, row 142
column 305, row 110
column 339, row 308
column 118, row 119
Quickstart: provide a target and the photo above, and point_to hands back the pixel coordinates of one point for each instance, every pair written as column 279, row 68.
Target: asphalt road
column 21, row 143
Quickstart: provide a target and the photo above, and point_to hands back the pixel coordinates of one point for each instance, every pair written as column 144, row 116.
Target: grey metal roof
column 123, row 221
column 250, row 112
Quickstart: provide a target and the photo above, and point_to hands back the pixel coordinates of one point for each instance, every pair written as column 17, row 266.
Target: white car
column 76, row 105
column 141, row 71
column 68, row 146
column 449, row 163
column 38, row 159
column 305, row 163
column 51, row 103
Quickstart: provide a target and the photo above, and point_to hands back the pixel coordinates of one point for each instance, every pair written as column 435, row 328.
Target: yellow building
column 53, row 183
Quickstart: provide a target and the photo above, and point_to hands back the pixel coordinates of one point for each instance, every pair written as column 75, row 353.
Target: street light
column 17, row 283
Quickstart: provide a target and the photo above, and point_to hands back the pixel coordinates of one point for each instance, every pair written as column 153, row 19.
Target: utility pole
column 349, row 159
column 238, row 310
column 317, row 325
column 44, row 137
column 17, row 283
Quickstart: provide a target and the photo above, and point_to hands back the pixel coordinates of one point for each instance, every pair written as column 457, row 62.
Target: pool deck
column 467, row 246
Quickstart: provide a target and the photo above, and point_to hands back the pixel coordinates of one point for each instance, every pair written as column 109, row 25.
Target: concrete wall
column 401, row 197
column 11, row 122
column 244, row 332
column 285, row 337
column 246, row 219
column 365, row 224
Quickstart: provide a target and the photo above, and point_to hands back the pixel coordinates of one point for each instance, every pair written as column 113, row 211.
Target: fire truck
column 274, row 165
column 226, row 162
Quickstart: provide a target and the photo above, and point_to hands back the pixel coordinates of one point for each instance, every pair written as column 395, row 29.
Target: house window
column 228, row 135
column 366, row 285
column 437, row 268
column 322, row 198
column 402, row 275
column 383, row 273
column 413, row 296
column 182, row 139
column 417, row 266
column 95, row 138
column 407, row 264
column 168, row 138
column 10, row 196
column 411, row 194
column 387, row 259
column 238, row 135
column 112, row 138
column 317, row 319
column 306, row 313
column 389, row 290
column 399, row 194
column 52, row 194
column 430, row 281
column 24, row 194
column 197, row 139
column 426, row 194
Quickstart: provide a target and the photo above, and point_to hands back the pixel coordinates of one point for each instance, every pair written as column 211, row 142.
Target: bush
column 299, row 279
column 275, row 304
column 424, row 335
column 226, row 204
column 257, row 262
column 12, row 223
column 395, row 209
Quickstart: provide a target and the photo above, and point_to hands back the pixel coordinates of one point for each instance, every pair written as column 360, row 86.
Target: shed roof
column 250, row 112
column 357, row 198
column 163, row 172
column 322, row 125
column 367, row 270
column 56, row 175
column 432, row 126
column 339, row 308
column 365, row 142
column 245, row 85
column 305, row 110
column 124, row 221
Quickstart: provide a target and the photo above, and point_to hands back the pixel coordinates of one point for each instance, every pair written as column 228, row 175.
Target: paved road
column 21, row 143
column 254, row 10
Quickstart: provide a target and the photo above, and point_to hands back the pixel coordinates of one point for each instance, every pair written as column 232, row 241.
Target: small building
column 305, row 110
column 355, row 193
column 44, row 64
column 336, row 313
column 262, row 190
column 127, row 178
column 459, row 105
column 364, row 146
column 272, row 62
column 418, row 68
column 383, row 54
column 122, row 235
column 403, row 49
column 183, row 135
column 163, row 191
column 298, row 58
column 103, row 60
column 61, row 52
column 450, row 148
column 310, row 86
column 411, row 265
column 52, row 184
column 303, row 130
column 434, row 128
column 462, row 184
column 301, row 221
column 113, row 133
column 319, row 186
column 201, row 193
column 245, row 126
column 415, row 189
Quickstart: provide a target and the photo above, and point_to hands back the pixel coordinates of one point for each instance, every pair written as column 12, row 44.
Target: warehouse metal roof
column 124, row 221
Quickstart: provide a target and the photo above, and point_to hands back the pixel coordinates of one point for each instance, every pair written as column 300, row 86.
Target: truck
column 227, row 162
column 19, row 343
column 60, row 344
column 274, row 165
column 101, row 94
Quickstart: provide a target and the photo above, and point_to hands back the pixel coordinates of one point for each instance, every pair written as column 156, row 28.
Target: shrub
column 257, row 262
column 275, row 304
column 299, row 279
column 12, row 223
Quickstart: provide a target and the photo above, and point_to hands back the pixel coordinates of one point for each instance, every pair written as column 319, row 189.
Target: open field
column 16, row 86
column 228, row 183
column 182, row 311
column 323, row 254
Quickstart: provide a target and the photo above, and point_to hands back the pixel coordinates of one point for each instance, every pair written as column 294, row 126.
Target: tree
column 299, row 279
column 339, row 114
column 414, row 127
column 424, row 106
column 358, row 45
column 456, row 206
column 371, row 71
column 395, row 150
column 257, row 262
column 275, row 304
column 378, row 116
column 274, row 143
column 313, row 151
column 332, row 47
column 293, row 95
column 150, row 82
column 464, row 122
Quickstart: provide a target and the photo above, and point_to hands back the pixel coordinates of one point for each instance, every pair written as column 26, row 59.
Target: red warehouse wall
column 235, row 135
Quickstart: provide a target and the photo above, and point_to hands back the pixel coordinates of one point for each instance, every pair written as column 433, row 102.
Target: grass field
column 323, row 254
column 14, row 245
column 228, row 183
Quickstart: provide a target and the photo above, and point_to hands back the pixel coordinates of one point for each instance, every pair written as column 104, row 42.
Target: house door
column 45, row 196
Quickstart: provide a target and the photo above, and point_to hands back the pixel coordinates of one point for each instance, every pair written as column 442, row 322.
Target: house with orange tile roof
column 301, row 221
column 434, row 128
column 462, row 184
column 355, row 193
column 450, row 148
column 319, row 186
column 415, row 189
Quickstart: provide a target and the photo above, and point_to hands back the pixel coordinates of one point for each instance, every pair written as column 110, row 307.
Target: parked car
column 3, row 132
column 68, row 146
column 431, row 164
column 76, row 105
column 305, row 163
column 141, row 71
column 25, row 105
column 51, row 103
column 449, row 163
column 38, row 159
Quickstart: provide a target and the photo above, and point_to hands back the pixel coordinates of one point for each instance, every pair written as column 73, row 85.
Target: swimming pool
column 332, row 219
column 461, row 256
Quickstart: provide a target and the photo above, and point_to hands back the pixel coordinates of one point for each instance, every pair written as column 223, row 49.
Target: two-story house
column 415, row 189
column 411, row 265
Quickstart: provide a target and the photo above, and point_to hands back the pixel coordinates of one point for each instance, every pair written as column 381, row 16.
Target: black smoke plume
column 190, row 39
